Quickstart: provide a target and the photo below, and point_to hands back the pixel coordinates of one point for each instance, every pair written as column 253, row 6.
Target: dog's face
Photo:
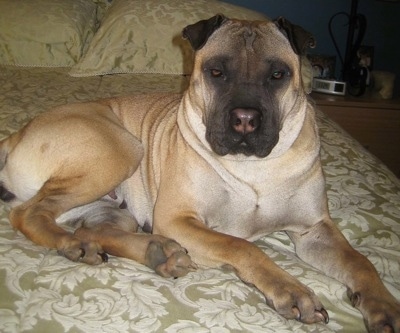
column 250, row 79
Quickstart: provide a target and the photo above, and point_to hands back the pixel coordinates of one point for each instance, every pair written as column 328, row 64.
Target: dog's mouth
column 244, row 130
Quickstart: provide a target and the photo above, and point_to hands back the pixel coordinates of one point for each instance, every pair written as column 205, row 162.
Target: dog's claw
column 320, row 314
column 355, row 299
column 104, row 257
column 297, row 313
column 83, row 253
column 323, row 314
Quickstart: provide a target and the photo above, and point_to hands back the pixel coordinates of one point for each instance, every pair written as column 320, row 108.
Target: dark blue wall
column 383, row 25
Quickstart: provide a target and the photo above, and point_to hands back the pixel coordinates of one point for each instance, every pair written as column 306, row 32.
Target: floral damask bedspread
column 43, row 292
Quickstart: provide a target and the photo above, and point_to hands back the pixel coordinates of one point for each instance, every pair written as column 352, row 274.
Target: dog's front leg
column 324, row 247
column 207, row 247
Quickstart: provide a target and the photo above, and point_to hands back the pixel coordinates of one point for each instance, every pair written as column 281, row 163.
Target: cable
column 333, row 37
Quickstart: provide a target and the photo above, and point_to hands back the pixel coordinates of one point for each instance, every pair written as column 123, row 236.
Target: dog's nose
column 244, row 120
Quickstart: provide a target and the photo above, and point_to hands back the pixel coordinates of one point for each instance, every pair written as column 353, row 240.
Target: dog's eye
column 216, row 73
column 277, row 75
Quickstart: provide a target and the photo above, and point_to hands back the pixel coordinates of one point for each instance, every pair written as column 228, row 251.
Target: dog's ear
column 299, row 38
column 197, row 34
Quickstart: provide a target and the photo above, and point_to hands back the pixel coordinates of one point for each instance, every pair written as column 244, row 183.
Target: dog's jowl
column 207, row 172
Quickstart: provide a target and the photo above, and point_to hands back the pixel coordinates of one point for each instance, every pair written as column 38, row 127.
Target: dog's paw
column 88, row 252
column 380, row 315
column 296, row 301
column 168, row 258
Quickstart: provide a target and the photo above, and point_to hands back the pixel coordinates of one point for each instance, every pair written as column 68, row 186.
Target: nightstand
column 374, row 123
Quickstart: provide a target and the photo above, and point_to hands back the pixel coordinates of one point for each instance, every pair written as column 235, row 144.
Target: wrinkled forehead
column 258, row 37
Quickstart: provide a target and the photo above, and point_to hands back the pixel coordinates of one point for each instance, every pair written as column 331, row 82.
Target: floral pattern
column 43, row 292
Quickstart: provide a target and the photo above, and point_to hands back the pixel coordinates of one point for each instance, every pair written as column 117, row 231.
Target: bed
column 61, row 51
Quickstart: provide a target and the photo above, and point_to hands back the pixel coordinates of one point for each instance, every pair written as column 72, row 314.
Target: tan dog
column 234, row 158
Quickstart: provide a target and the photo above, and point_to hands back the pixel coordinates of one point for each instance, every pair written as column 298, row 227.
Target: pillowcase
column 45, row 33
column 139, row 36
column 102, row 7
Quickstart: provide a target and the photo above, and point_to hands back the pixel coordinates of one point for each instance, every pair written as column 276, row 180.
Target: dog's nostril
column 244, row 120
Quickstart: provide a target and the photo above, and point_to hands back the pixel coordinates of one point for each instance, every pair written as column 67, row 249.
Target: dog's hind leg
column 36, row 217
column 64, row 159
column 115, row 230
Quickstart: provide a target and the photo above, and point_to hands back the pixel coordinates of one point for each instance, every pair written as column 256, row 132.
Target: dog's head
column 247, row 78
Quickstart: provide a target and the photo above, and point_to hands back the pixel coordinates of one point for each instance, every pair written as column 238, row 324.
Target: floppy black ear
column 198, row 33
column 299, row 38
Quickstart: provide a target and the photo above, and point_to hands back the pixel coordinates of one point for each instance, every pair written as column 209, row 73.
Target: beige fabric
column 138, row 36
column 45, row 33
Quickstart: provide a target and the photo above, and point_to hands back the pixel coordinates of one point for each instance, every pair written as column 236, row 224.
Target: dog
column 204, row 173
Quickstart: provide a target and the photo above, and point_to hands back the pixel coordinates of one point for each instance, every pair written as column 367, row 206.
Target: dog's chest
column 243, row 215
column 251, row 199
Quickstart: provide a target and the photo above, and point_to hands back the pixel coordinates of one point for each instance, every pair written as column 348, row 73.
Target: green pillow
column 139, row 36
column 41, row 33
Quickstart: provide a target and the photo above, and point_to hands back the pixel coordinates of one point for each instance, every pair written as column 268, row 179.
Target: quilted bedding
column 43, row 292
